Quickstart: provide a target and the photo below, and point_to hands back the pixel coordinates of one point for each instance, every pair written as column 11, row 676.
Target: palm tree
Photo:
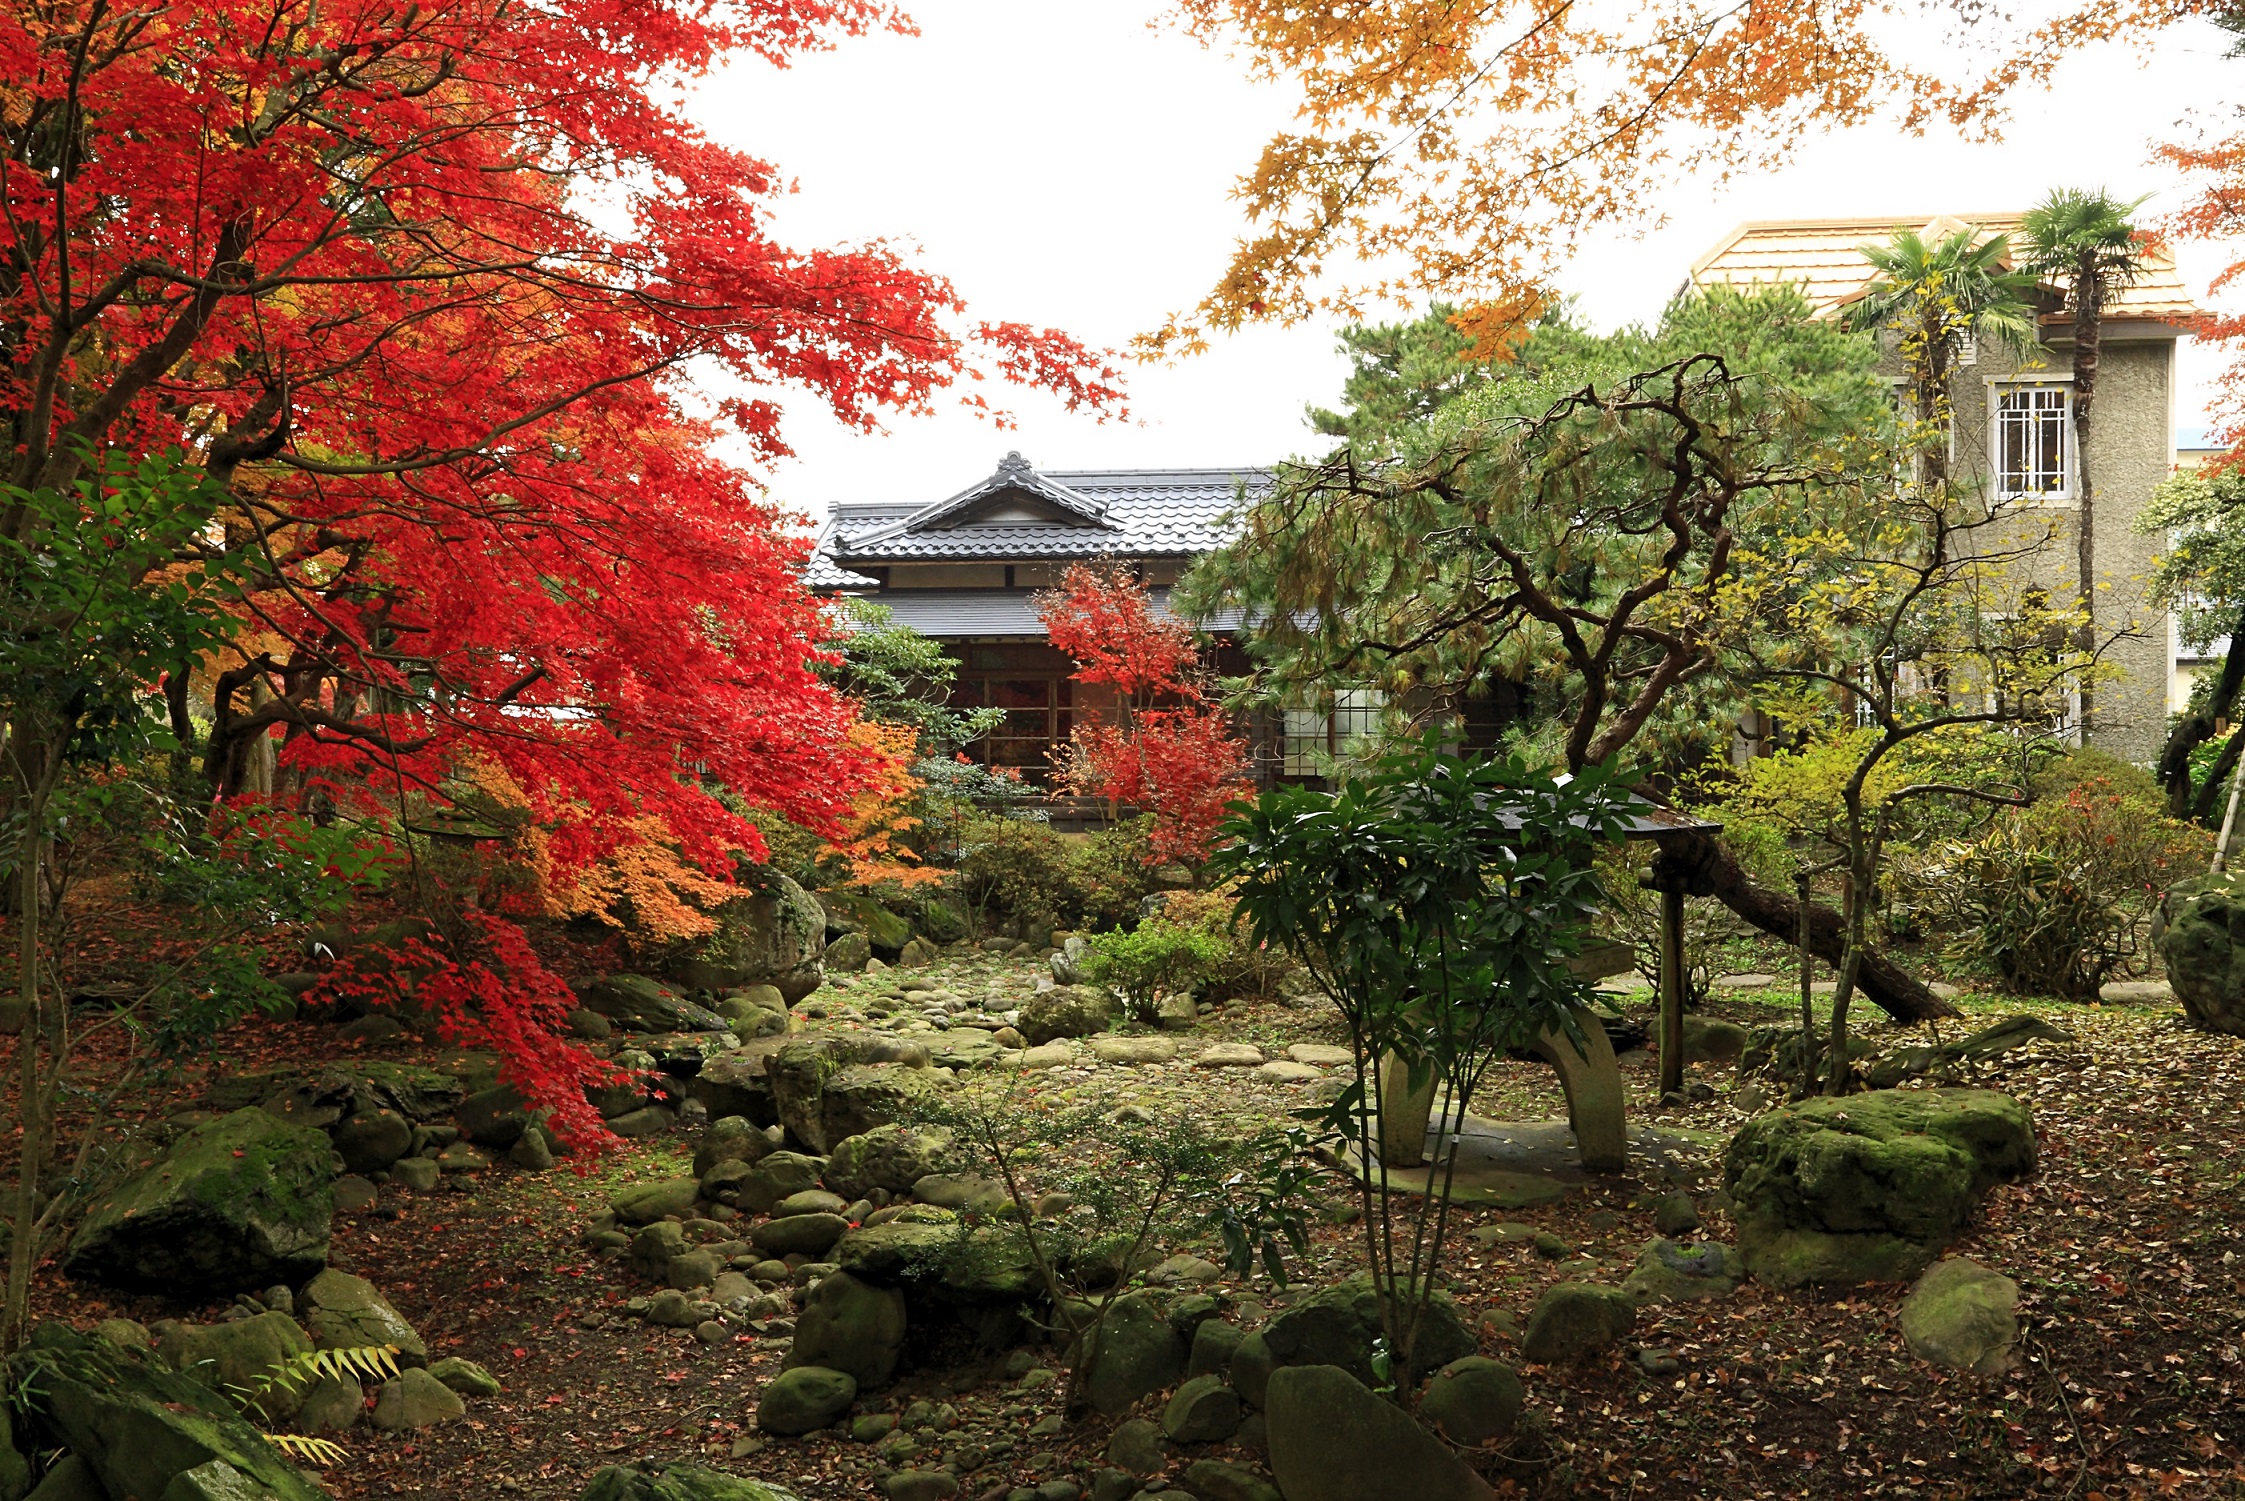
column 2084, row 240
column 1935, row 296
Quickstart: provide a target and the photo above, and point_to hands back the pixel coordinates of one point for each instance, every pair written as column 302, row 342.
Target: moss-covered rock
column 651, row 1480
column 828, row 1088
column 639, row 1004
column 1066, row 1011
column 1963, row 1316
column 1339, row 1325
column 853, row 1326
column 1670, row 1271
column 346, row 1312
column 2202, row 939
column 858, row 912
column 772, row 933
column 1869, row 1187
column 244, row 1201
column 890, row 1157
column 247, row 1361
column 139, row 1425
column 1575, row 1319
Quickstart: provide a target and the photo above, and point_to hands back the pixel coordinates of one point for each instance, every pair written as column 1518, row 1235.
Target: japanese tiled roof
column 1824, row 257
column 1021, row 513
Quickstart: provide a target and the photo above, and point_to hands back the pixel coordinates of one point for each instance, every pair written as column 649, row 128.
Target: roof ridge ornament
column 1014, row 463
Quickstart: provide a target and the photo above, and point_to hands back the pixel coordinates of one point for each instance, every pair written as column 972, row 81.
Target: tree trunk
column 2196, row 728
column 2088, row 299
column 1883, row 982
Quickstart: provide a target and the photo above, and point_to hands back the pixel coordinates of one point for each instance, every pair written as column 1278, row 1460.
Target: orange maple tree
column 1464, row 151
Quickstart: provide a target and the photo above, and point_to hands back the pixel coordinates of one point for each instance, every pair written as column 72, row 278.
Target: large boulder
column 890, row 1157
column 1339, row 1326
column 1331, row 1439
column 369, row 1143
column 772, row 933
column 346, row 1312
column 2201, row 936
column 652, row 1480
column 1065, row 1011
column 240, row 1202
column 730, row 1138
column 1133, row 1353
column 885, row 933
column 245, row 1360
column 852, row 1326
column 1870, row 1187
column 139, row 1425
column 639, row 1004
column 736, row 1084
column 825, row 1089
column 494, row 1117
column 1963, row 1316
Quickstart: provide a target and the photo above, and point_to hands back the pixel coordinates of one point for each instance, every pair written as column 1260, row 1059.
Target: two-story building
column 2012, row 428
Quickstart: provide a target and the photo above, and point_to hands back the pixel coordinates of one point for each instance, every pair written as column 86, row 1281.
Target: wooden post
column 1671, row 990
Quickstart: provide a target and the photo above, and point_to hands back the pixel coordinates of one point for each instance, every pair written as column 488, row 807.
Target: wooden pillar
column 1671, row 990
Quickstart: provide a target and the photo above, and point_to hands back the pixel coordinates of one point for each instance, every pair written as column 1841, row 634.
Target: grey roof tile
column 1126, row 512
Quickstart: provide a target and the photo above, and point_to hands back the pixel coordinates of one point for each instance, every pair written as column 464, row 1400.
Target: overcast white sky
column 1066, row 165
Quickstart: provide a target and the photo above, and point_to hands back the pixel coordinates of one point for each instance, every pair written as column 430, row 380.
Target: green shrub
column 1157, row 958
column 1113, row 872
column 1241, row 966
column 1013, row 870
column 2058, row 898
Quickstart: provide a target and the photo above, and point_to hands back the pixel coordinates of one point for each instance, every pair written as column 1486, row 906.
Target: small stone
column 1286, row 1071
column 1136, row 1447
column 1214, row 1480
column 419, row 1174
column 809, row 1201
column 806, row 1398
column 1230, row 1055
column 531, row 1153
column 1473, row 1400
column 691, row 1271
column 673, row 1309
column 1501, row 1235
column 712, row 1332
column 1214, row 1344
column 1676, row 1215
column 872, row 1427
column 1550, row 1247
column 1576, row 1319
column 1658, row 1362
column 465, row 1377
column 1963, row 1316
column 919, row 1485
column 355, row 1195
column 1321, row 1055
column 1183, row 1271
column 416, row 1399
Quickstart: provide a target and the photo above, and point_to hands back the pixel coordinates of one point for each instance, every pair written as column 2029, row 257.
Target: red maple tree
column 1170, row 748
column 421, row 287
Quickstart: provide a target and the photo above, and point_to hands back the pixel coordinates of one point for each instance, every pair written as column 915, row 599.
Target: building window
column 1316, row 738
column 1039, row 715
column 2034, row 442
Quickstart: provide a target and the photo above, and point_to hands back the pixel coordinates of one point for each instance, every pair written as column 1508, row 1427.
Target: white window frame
column 2069, row 470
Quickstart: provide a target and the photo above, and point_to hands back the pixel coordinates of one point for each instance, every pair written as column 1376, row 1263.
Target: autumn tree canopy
column 420, row 285
column 1463, row 151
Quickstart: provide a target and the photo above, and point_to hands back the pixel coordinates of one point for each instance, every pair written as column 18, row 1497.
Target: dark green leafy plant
column 1437, row 901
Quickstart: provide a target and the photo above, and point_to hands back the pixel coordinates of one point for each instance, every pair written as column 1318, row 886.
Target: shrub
column 1113, row 873
column 1157, row 958
column 2058, row 898
column 1013, row 869
column 1242, row 966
